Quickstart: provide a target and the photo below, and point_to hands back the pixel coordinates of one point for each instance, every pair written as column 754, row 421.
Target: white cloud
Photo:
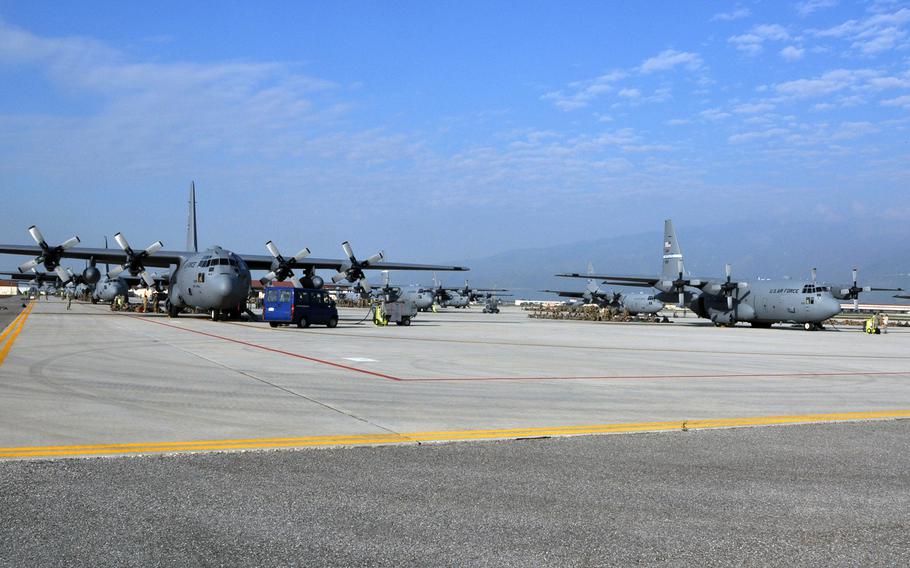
column 629, row 93
column 669, row 59
column 753, row 108
column 737, row 13
column 792, row 53
column 757, row 135
column 880, row 32
column 752, row 42
column 807, row 7
column 830, row 82
column 584, row 91
column 901, row 101
column 714, row 114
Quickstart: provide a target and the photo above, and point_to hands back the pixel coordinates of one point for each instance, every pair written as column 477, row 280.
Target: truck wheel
column 405, row 321
column 333, row 321
column 303, row 322
column 273, row 323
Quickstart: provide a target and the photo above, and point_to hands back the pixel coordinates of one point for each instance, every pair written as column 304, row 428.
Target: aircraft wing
column 28, row 276
column 159, row 259
column 565, row 294
column 264, row 262
column 647, row 281
column 629, row 283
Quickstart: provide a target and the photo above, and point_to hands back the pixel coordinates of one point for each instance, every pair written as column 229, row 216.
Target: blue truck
column 299, row 306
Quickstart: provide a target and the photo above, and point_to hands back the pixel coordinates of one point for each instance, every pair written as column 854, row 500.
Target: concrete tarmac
column 816, row 495
column 91, row 376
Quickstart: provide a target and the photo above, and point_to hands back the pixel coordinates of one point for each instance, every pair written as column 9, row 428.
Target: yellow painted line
column 441, row 436
column 12, row 338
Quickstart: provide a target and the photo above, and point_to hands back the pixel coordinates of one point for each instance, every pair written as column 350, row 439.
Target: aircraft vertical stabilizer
column 673, row 257
column 192, row 243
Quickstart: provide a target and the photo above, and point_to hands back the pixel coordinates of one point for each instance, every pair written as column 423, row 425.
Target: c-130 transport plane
column 725, row 302
column 215, row 280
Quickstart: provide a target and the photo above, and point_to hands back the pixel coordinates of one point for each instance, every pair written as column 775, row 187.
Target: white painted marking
column 361, row 359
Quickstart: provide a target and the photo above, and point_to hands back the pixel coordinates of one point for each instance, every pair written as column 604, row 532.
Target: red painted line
column 652, row 377
column 273, row 350
column 577, row 378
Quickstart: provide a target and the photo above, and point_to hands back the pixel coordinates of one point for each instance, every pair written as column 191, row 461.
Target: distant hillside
column 881, row 252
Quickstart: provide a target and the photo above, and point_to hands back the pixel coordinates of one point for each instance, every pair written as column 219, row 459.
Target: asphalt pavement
column 10, row 306
column 813, row 495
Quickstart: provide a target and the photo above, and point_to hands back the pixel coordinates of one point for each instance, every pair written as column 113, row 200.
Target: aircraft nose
column 832, row 307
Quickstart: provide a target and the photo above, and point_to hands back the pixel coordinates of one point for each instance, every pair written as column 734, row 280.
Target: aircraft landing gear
column 216, row 314
column 809, row 326
column 172, row 310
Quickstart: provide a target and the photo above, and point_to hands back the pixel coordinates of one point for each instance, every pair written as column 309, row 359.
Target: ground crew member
column 69, row 300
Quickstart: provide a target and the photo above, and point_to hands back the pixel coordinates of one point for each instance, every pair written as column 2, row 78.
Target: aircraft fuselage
column 215, row 279
column 769, row 301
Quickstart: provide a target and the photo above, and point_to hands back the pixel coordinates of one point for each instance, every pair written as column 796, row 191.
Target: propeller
column 814, row 275
column 678, row 285
column 49, row 256
column 728, row 287
column 853, row 291
column 135, row 260
column 352, row 269
column 281, row 267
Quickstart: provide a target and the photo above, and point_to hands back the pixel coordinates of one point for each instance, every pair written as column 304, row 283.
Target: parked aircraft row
column 726, row 301
column 216, row 280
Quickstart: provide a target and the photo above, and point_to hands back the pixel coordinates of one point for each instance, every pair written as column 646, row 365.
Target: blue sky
column 448, row 130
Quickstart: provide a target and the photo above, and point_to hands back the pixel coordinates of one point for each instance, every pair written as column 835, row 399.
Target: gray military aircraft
column 725, row 302
column 633, row 304
column 421, row 299
column 215, row 280
column 457, row 297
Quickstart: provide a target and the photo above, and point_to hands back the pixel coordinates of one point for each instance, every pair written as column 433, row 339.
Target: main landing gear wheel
column 808, row 326
column 172, row 310
column 215, row 314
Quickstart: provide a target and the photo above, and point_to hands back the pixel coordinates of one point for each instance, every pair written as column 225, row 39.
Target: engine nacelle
column 317, row 282
column 91, row 275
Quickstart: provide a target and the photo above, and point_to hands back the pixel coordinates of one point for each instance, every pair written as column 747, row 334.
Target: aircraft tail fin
column 192, row 243
column 672, row 255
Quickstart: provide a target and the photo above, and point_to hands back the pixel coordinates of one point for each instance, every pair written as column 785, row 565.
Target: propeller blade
column 149, row 281
column 272, row 249
column 36, row 234
column 116, row 271
column 814, row 275
column 121, row 240
column 346, row 247
column 855, row 272
column 70, row 243
column 728, row 270
column 269, row 277
column 682, row 298
column 61, row 273
column 855, row 304
column 27, row 266
column 729, row 302
column 375, row 258
column 302, row 254
column 366, row 286
column 154, row 247
column 385, row 278
column 338, row 277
